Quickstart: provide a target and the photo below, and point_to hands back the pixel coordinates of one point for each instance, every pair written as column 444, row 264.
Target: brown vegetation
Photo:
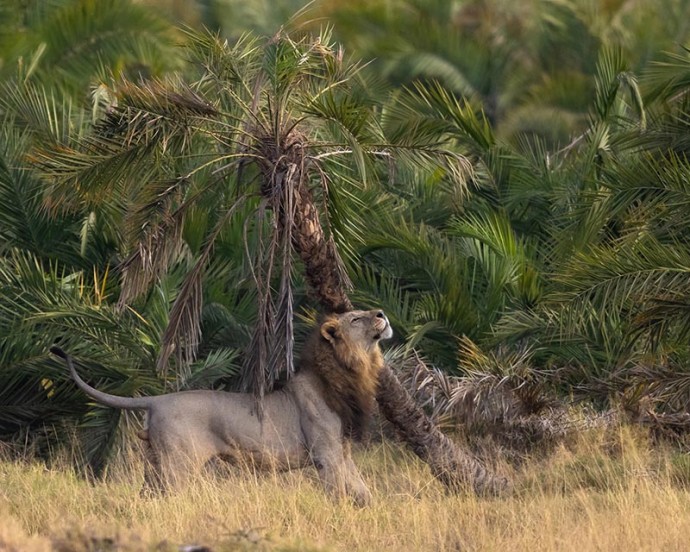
column 605, row 490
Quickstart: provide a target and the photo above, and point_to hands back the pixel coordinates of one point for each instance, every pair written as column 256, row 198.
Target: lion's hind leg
column 153, row 480
column 169, row 460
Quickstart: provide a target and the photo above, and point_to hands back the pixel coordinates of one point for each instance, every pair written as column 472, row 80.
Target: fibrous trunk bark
column 456, row 469
column 321, row 261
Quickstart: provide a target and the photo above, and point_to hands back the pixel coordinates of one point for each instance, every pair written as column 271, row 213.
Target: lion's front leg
column 331, row 457
column 340, row 476
column 358, row 490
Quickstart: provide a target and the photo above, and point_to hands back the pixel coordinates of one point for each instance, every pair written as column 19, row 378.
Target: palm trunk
column 450, row 465
column 321, row 261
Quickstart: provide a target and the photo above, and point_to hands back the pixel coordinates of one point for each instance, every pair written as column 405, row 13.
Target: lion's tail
column 103, row 398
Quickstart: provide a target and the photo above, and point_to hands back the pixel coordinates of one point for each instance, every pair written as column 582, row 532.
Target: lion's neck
column 349, row 383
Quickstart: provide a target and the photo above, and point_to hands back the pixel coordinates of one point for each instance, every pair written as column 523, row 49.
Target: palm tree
column 460, row 257
column 283, row 129
column 613, row 320
column 500, row 55
column 583, row 248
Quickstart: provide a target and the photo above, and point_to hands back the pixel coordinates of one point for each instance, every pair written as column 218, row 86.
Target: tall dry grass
column 607, row 491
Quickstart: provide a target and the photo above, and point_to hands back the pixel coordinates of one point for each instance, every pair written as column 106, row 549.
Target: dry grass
column 606, row 492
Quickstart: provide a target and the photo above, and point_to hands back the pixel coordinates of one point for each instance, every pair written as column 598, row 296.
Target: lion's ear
column 329, row 330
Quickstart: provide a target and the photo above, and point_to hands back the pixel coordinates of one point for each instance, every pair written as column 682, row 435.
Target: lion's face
column 365, row 328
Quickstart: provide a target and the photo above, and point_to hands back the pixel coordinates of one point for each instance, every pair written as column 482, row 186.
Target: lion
column 312, row 419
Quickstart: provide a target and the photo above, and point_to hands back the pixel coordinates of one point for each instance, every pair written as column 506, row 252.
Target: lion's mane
column 347, row 372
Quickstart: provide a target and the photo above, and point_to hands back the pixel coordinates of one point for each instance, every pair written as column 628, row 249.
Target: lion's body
column 309, row 420
column 193, row 426
column 226, row 424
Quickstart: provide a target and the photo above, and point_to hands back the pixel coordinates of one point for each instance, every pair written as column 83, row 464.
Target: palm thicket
column 225, row 181
column 569, row 241
column 529, row 66
column 508, row 182
column 58, row 261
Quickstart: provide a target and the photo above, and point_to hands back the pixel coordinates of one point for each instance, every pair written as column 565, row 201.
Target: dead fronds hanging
column 499, row 397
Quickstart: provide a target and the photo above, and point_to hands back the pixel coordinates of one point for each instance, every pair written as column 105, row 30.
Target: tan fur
column 308, row 421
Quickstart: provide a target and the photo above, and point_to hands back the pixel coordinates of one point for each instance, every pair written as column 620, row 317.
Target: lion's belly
column 208, row 423
column 201, row 425
column 272, row 443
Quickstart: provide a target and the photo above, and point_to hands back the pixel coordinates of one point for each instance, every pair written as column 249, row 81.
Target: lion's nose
column 380, row 314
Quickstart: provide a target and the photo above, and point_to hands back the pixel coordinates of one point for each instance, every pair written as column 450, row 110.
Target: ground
column 598, row 493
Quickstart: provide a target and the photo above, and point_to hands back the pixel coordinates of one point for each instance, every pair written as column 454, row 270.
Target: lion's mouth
column 381, row 326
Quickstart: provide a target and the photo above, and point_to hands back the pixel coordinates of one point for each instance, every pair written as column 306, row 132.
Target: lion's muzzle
column 382, row 325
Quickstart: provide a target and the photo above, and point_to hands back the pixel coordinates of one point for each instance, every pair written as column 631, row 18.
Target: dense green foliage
column 510, row 175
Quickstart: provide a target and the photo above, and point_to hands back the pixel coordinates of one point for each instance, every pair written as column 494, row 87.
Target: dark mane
column 347, row 374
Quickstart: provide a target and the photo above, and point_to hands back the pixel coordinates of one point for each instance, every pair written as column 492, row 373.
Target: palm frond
column 40, row 306
column 628, row 276
column 612, row 76
column 23, row 222
column 413, row 65
column 505, row 260
column 380, row 289
column 668, row 80
column 155, row 118
column 473, row 130
column 215, row 369
column 49, row 118
column 83, row 35
column 183, row 332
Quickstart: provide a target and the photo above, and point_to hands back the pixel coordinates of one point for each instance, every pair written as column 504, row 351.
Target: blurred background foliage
column 556, row 224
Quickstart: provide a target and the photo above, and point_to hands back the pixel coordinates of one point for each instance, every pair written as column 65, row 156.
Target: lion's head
column 344, row 353
column 356, row 330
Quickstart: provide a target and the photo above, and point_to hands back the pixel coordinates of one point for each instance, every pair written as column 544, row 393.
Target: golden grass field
column 603, row 492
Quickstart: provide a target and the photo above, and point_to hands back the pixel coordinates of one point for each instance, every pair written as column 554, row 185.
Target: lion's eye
column 356, row 320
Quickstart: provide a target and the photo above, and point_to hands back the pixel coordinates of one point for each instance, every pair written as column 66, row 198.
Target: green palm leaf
column 74, row 39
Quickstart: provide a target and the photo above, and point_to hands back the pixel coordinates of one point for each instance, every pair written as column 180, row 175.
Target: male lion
column 323, row 405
